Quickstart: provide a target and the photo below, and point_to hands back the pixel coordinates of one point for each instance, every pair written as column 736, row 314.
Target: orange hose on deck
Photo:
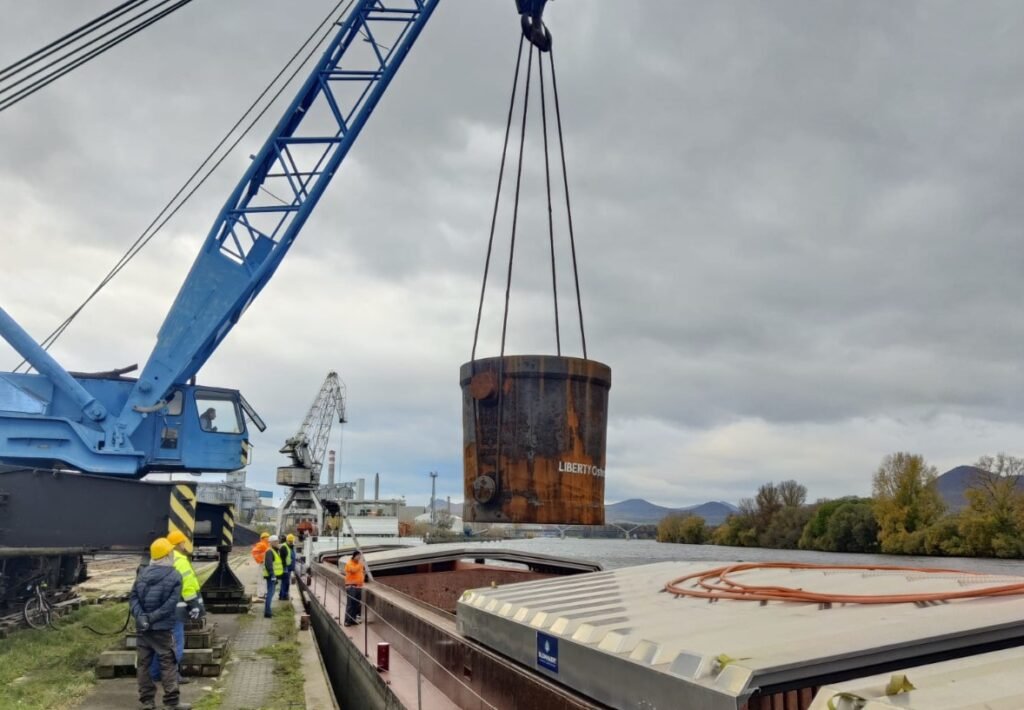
column 716, row 584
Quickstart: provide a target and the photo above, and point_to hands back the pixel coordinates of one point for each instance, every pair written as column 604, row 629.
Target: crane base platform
column 223, row 593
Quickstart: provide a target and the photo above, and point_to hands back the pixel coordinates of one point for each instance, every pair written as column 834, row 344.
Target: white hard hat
column 273, row 538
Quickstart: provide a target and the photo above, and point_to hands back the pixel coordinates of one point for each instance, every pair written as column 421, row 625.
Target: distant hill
column 638, row 510
column 953, row 485
column 443, row 505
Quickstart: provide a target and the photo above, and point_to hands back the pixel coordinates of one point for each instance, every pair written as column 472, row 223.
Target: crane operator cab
column 192, row 428
column 203, row 429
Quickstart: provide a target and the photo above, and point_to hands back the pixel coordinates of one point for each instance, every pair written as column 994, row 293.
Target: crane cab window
column 217, row 414
column 174, row 404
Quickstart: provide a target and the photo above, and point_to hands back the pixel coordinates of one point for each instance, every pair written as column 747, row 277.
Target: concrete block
column 116, row 663
column 212, row 670
column 117, row 658
column 197, row 656
column 198, row 639
column 219, row 649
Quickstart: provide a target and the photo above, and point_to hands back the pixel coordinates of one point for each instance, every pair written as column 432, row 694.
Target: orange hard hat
column 176, row 537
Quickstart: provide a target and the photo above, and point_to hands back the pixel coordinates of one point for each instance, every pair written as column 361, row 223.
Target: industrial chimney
column 376, row 486
column 330, row 468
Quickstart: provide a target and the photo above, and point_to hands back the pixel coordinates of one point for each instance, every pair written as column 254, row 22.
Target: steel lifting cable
column 568, row 203
column 516, row 200
column 497, row 196
column 547, row 184
column 718, row 583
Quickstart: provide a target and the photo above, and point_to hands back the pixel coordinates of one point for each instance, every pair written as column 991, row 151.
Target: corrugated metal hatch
column 989, row 681
column 618, row 638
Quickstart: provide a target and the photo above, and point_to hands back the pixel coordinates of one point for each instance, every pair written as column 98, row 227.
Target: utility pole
column 433, row 493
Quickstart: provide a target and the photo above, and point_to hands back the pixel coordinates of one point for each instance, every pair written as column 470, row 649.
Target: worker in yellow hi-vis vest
column 189, row 595
column 273, row 571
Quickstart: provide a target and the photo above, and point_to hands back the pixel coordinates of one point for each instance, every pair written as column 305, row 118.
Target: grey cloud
column 803, row 214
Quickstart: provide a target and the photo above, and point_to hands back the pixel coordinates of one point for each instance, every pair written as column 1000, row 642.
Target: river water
column 612, row 554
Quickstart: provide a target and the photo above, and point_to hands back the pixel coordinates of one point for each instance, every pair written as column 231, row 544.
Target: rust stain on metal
column 534, row 432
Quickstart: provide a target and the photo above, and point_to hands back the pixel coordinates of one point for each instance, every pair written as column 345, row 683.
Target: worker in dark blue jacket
column 154, row 600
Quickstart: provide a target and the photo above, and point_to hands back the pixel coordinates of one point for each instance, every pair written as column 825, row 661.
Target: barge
column 480, row 626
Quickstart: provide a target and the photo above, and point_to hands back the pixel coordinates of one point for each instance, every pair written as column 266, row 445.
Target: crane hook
column 534, row 29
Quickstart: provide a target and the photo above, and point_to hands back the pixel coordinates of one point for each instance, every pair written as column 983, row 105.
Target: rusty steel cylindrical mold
column 534, row 431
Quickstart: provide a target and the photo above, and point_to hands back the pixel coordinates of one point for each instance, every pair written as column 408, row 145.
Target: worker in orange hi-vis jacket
column 259, row 552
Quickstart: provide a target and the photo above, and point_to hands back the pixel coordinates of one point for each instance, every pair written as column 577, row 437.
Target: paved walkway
column 248, row 677
column 409, row 686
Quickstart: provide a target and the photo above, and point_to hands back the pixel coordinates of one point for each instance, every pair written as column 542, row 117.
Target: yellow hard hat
column 160, row 548
column 264, row 535
column 176, row 538
column 291, row 538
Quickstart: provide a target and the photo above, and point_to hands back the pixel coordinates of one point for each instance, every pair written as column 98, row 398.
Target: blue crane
column 117, row 426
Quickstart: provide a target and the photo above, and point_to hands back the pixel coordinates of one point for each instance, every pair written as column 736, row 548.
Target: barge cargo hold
column 618, row 638
column 410, row 606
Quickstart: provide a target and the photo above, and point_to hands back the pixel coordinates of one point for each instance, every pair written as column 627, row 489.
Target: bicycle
column 39, row 612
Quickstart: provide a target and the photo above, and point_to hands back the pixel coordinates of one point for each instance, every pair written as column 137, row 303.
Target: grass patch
column 210, row 701
column 51, row 670
column 290, row 690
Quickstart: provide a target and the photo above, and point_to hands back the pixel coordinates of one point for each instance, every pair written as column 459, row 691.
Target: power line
column 166, row 213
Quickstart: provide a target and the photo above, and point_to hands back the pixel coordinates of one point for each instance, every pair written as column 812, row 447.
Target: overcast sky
column 798, row 226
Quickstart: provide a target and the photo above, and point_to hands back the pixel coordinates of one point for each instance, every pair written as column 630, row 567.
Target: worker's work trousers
column 261, row 587
column 271, row 584
column 161, row 645
column 353, row 604
column 179, row 651
column 286, row 582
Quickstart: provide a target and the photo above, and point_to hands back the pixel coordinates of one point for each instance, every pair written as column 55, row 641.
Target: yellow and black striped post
column 227, row 531
column 183, row 513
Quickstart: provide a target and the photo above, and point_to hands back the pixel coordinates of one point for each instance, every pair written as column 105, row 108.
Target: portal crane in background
column 54, row 422
column 302, row 510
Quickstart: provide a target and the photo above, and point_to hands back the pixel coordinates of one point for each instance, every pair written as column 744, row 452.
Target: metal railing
column 317, row 575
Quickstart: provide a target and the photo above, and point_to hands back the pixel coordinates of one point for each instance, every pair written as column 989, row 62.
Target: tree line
column 904, row 515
